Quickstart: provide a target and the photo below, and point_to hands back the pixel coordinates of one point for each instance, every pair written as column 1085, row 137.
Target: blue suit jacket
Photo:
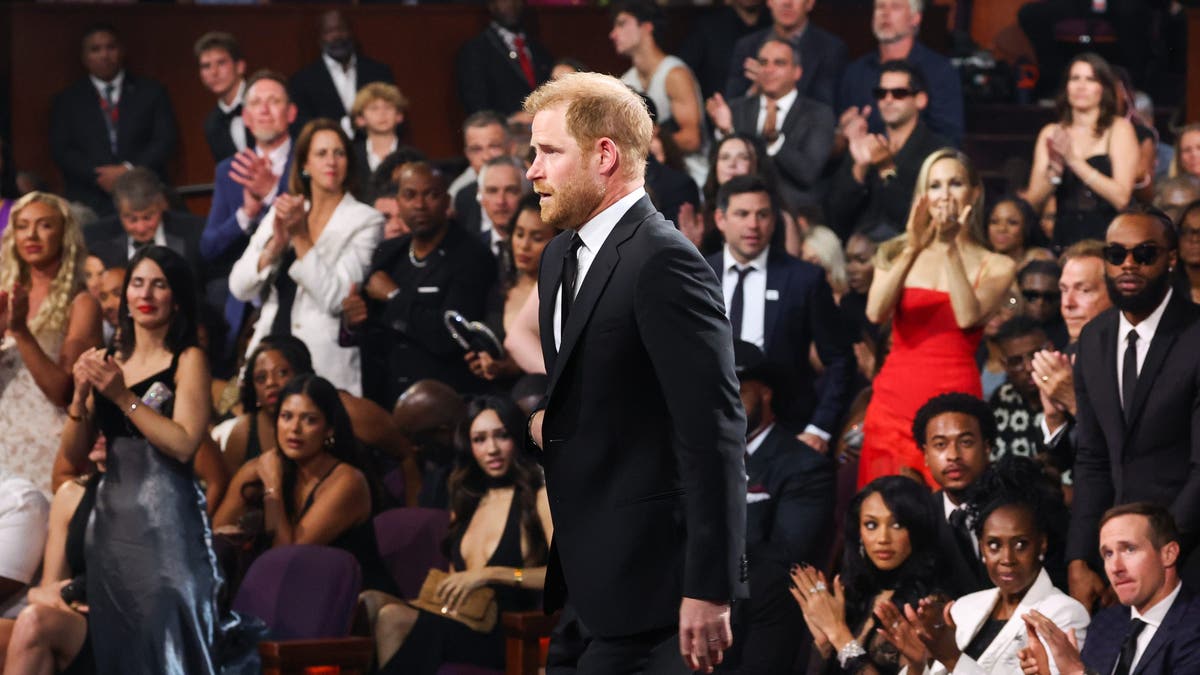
column 1174, row 649
column 223, row 240
column 803, row 313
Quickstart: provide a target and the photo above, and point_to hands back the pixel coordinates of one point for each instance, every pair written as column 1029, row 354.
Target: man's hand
column 254, row 174
column 108, row 174
column 704, row 633
column 1063, row 647
column 853, row 122
column 750, row 70
column 720, row 113
column 815, row 442
column 379, row 286
column 354, row 308
column 690, row 223
column 1054, row 378
column 1086, row 586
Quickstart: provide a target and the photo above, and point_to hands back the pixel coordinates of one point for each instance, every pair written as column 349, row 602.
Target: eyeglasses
column 1143, row 254
column 1045, row 296
column 898, row 93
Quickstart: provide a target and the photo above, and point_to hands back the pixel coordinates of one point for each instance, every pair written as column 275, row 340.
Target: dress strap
column 979, row 274
column 308, row 501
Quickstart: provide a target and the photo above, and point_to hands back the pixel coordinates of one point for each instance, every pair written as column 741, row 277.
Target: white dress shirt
column 374, row 160
column 754, row 292
column 345, row 81
column 593, row 233
column 116, row 83
column 279, row 158
column 755, row 443
column 160, row 239
column 1145, row 332
column 1153, row 618
column 784, row 105
column 237, row 126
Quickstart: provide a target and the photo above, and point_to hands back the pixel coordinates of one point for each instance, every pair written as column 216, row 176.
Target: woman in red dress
column 938, row 284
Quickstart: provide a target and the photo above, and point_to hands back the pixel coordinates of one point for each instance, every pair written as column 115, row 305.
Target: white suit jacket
column 339, row 257
column 971, row 611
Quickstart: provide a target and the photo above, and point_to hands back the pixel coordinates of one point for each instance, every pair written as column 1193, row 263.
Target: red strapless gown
column 930, row 355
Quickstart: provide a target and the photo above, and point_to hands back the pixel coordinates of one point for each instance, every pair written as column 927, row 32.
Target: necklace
column 412, row 258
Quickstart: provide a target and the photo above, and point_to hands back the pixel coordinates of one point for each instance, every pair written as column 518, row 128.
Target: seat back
column 410, row 543
column 302, row 592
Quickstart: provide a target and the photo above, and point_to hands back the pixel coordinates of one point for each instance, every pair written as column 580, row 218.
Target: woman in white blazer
column 986, row 626
column 315, row 242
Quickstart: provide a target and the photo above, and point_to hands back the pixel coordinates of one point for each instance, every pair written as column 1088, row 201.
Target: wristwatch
column 529, row 429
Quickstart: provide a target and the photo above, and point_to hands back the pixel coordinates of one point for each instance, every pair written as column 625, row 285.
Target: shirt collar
column 947, row 505
column 237, row 100
column 756, row 442
column 784, row 104
column 505, row 33
column 116, row 82
column 1147, row 328
column 279, row 155
column 160, row 237
column 759, row 262
column 332, row 63
column 1155, row 615
column 595, row 231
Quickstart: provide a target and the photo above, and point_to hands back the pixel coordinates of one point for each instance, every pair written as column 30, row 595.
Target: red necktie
column 523, row 57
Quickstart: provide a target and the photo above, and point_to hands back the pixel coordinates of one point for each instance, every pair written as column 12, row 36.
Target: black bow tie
column 236, row 112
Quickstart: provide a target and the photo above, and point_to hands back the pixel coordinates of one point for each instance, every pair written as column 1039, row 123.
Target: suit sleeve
column 246, row 281
column 801, row 159
column 833, row 347
column 682, row 324
column 157, row 151
column 221, row 231
column 328, row 281
column 66, row 152
column 1093, row 480
column 1186, row 507
column 805, row 509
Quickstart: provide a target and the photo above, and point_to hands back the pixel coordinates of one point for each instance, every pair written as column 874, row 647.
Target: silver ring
column 714, row 639
column 820, row 586
column 1045, row 378
column 814, row 590
column 939, row 625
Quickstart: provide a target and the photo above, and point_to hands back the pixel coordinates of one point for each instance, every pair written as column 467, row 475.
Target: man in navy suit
column 108, row 122
column 789, row 513
column 783, row 306
column 245, row 186
column 1155, row 630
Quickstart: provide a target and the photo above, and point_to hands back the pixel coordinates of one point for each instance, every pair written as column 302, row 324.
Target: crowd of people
column 972, row 420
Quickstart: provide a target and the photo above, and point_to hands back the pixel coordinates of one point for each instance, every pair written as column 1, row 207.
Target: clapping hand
column 18, row 308
column 720, row 113
column 103, row 373
column 920, row 226
column 691, row 224
column 853, row 122
column 1055, row 381
column 1062, row 648
column 290, row 214
column 824, row 611
column 255, row 175
column 895, row 627
column 935, row 628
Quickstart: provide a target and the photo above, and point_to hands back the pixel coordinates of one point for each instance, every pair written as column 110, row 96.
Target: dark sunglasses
column 898, row 93
column 1143, row 254
column 1034, row 296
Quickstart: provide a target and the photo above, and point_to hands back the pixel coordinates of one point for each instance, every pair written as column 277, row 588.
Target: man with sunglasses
column 873, row 187
column 1038, row 282
column 1137, row 390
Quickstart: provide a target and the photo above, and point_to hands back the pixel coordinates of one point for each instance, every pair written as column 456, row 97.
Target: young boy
column 378, row 112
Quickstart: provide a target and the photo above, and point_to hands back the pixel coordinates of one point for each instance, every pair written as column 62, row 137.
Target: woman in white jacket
column 315, row 242
column 985, row 630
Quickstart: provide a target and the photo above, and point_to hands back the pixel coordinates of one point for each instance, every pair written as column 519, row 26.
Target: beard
column 571, row 204
column 1145, row 300
column 339, row 50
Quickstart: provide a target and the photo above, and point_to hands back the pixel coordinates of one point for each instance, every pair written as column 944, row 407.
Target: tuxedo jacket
column 808, row 131
column 79, row 139
column 789, row 500
column 216, row 132
column 971, row 611
column 823, row 57
column 468, row 212
column 315, row 96
column 962, row 574
column 1174, row 649
column 643, row 434
column 489, row 76
column 799, row 312
column 1155, row 457
column 181, row 230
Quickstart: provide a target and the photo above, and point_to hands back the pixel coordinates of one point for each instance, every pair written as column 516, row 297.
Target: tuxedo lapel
column 1165, row 632
column 1111, row 411
column 793, row 116
column 1156, row 356
column 327, row 84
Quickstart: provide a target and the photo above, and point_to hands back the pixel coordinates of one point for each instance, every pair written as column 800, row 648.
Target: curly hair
column 293, row 350
column 954, row 402
column 468, row 483
column 52, row 316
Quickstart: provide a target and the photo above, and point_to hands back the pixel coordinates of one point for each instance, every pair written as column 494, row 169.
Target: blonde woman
column 938, row 285
column 47, row 320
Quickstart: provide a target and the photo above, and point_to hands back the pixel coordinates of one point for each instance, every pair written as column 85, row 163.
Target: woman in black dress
column 499, row 536
column 152, row 581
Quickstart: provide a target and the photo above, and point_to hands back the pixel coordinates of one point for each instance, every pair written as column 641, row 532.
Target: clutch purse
column 477, row 611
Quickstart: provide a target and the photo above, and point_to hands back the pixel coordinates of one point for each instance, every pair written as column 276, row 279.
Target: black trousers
column 575, row 651
column 1130, row 19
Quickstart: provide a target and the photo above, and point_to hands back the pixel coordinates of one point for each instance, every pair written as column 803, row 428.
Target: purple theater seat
column 464, row 669
column 410, row 543
column 393, row 483
column 302, row 592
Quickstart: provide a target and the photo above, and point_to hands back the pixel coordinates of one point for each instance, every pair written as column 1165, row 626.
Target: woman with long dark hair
column 152, row 583
column 1013, row 229
column 1088, row 159
column 499, row 536
column 891, row 555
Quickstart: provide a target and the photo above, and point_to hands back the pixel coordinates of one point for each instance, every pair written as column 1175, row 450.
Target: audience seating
column 307, row 597
column 410, row 543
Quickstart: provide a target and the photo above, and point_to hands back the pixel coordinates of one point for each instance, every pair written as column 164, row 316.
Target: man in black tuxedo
column 956, row 432
column 108, row 122
column 326, row 87
column 797, row 131
column 223, row 72
column 823, row 54
column 1155, row 628
column 1137, row 396
column 497, row 69
column 143, row 219
column 783, row 306
column 789, row 514
column 641, row 433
